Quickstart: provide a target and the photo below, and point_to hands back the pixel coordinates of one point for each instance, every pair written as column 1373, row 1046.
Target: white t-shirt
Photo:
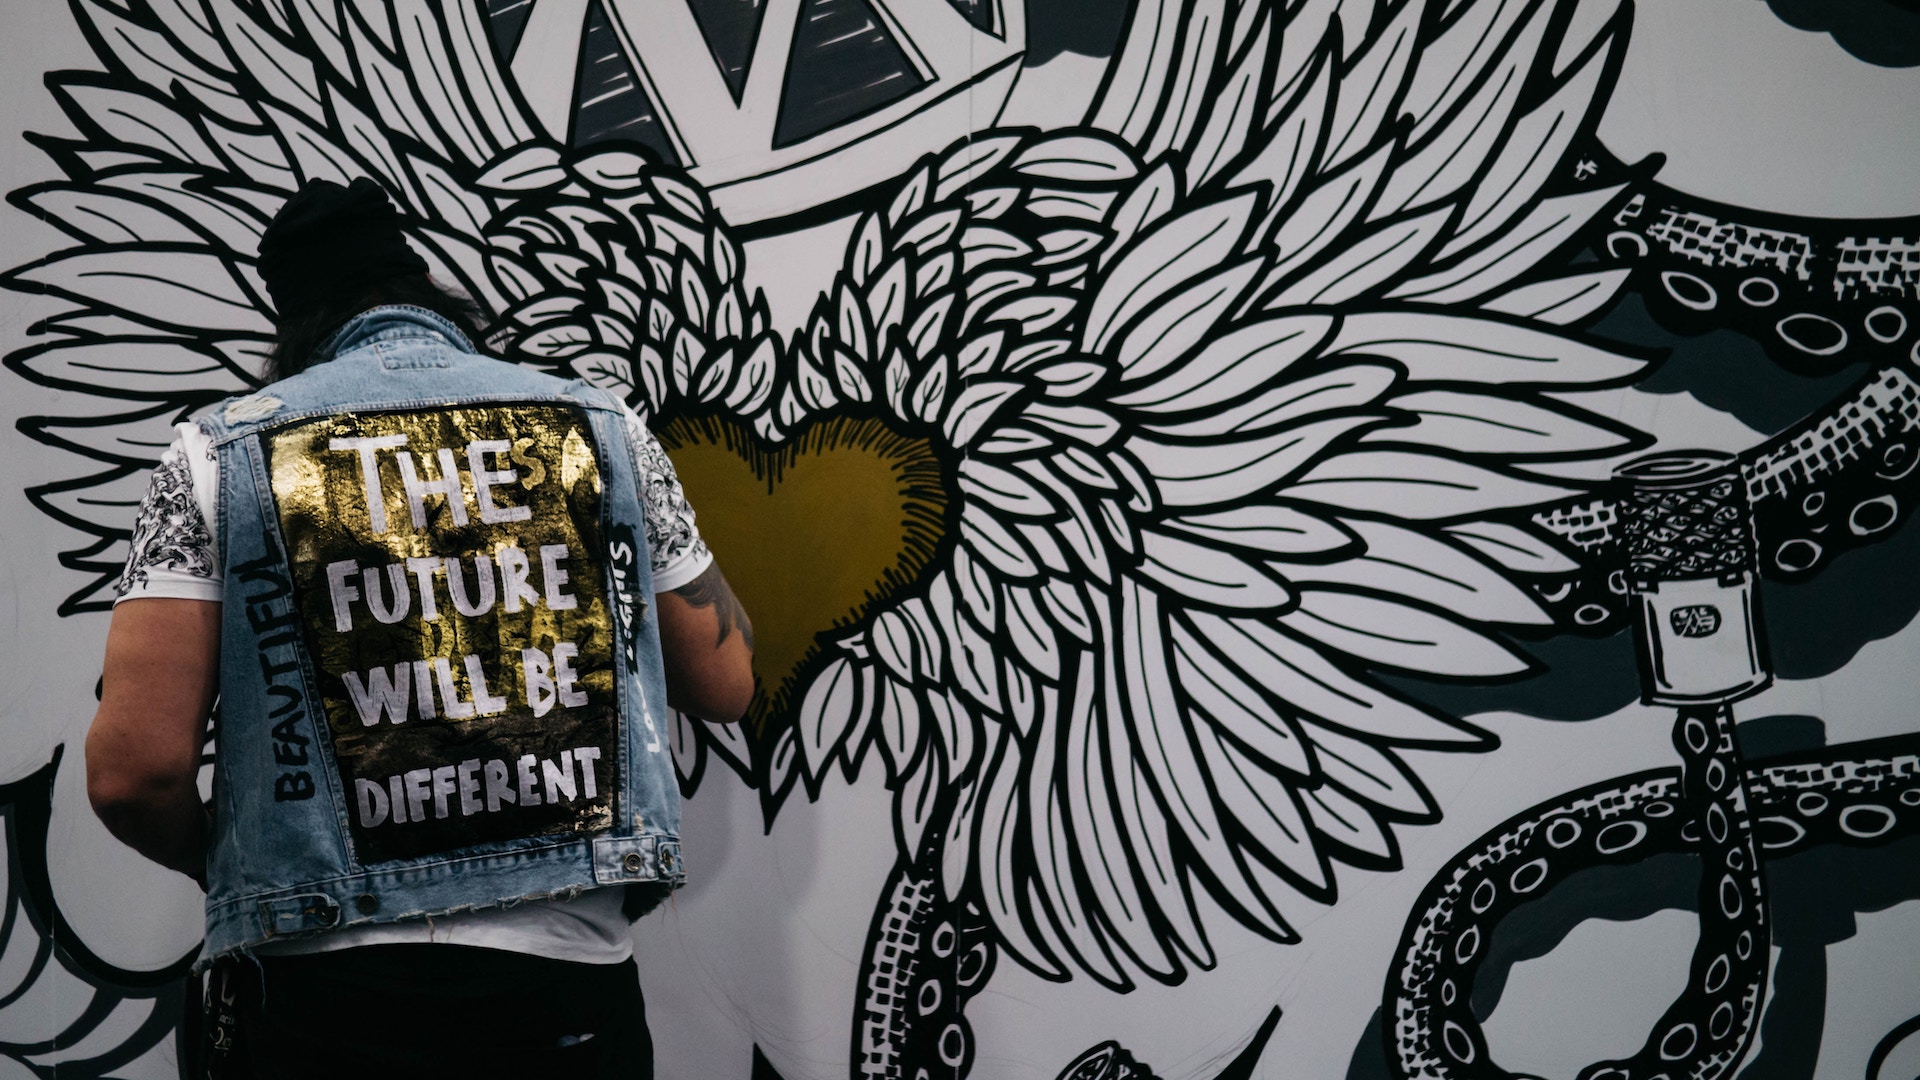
column 174, row 554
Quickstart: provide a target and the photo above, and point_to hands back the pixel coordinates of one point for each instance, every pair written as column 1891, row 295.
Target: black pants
column 424, row 1011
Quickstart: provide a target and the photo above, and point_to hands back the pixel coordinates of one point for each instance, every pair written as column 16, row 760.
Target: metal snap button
column 366, row 904
column 633, row 862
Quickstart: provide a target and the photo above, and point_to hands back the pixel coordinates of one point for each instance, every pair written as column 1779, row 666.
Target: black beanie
column 329, row 241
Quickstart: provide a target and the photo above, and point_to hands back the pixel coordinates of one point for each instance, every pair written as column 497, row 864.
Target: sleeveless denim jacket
column 440, row 675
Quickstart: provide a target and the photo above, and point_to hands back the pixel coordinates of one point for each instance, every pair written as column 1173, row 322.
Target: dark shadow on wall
column 1087, row 27
column 1724, row 369
column 1882, row 32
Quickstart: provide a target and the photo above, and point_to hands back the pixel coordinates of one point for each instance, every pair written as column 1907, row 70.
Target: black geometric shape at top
column 1881, row 32
column 609, row 102
column 845, row 64
column 762, row 1068
column 731, row 28
column 506, row 21
column 980, row 13
column 1088, row 27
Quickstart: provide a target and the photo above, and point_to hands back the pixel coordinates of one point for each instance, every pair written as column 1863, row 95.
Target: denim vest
column 440, row 675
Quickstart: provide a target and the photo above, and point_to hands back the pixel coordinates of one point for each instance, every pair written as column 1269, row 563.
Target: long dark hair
column 300, row 336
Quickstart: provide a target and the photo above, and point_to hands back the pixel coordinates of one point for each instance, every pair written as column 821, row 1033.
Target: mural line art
column 1168, row 447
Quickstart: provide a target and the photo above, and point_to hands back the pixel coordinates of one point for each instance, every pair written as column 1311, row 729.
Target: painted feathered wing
column 208, row 115
column 1236, row 377
column 204, row 119
column 1241, row 391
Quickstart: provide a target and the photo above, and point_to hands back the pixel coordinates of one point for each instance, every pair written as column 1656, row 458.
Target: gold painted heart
column 812, row 533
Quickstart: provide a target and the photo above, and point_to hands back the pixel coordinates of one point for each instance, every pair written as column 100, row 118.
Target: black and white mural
column 1297, row 538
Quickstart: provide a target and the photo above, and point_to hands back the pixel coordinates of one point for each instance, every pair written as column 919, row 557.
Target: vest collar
column 391, row 322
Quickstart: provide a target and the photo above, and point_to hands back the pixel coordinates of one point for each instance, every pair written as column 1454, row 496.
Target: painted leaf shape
column 1496, row 426
column 129, row 368
column 1369, row 86
column 997, row 861
column 1145, row 205
column 1082, row 158
column 1081, row 423
column 1233, row 365
column 971, row 160
column 1462, row 348
column 1366, row 263
column 994, row 544
column 1404, row 563
column 614, row 170
column 1417, row 486
column 1204, row 474
column 1284, row 159
column 1299, row 675
column 1180, row 250
column 1374, row 776
column 1276, row 531
column 1562, row 300
column 899, row 722
column 1397, row 636
column 1231, row 120
column 136, row 439
column 1190, row 86
column 138, row 120
column 1065, row 910
column 194, row 291
column 1348, row 822
column 1534, row 148
column 1034, row 642
column 1153, row 715
column 109, row 218
column 1207, row 575
column 1513, row 548
column 1452, row 143
column 1352, row 386
column 1512, row 252
column 531, row 168
column 974, row 408
column 608, row 371
column 1226, row 699
column 1162, row 749
column 828, row 711
column 1181, row 322
column 1003, row 490
column 1323, row 216
column 1267, row 807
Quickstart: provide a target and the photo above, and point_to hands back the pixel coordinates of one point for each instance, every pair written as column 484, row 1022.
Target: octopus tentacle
column 1868, row 795
column 926, row 957
column 1707, row 1029
column 1856, row 794
column 1433, row 1033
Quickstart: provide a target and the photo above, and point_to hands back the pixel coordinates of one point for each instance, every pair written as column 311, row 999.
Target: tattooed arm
column 705, row 637
column 706, row 641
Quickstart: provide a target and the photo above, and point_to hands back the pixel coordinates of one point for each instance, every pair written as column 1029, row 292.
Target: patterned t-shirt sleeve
column 679, row 555
column 172, row 551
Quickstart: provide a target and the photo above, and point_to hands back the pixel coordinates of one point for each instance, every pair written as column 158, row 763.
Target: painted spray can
column 1690, row 569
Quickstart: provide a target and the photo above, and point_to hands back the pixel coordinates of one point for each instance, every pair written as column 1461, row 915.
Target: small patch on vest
column 248, row 409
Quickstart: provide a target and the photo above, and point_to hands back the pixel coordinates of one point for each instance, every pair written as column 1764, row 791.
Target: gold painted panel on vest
column 449, row 569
